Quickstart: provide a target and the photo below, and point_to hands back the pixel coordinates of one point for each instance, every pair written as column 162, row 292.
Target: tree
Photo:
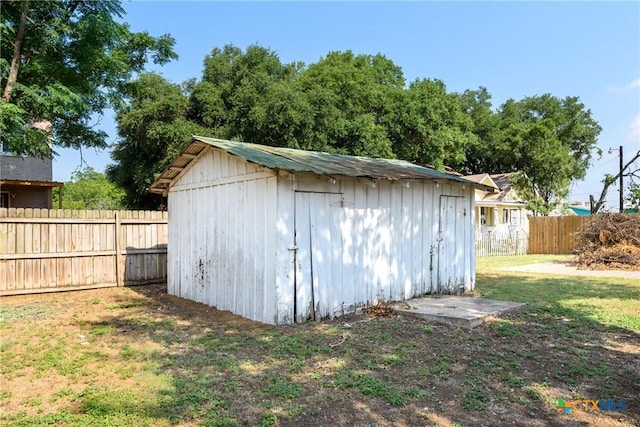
column 551, row 140
column 249, row 96
column 630, row 170
column 435, row 130
column 353, row 99
column 478, row 154
column 633, row 198
column 89, row 189
column 68, row 60
column 152, row 130
column 351, row 104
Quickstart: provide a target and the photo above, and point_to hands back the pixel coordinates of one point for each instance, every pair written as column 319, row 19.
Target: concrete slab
column 467, row 312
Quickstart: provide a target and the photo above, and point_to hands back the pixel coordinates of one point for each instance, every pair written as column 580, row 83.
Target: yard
column 137, row 357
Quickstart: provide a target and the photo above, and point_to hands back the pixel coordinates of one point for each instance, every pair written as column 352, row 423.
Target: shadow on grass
column 185, row 363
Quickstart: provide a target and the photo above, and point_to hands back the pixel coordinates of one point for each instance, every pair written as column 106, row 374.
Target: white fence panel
column 495, row 243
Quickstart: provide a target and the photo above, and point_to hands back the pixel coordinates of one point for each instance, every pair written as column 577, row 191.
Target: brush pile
column 610, row 241
column 381, row 309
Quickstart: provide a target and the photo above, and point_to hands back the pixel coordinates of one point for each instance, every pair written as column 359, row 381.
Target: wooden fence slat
column 554, row 235
column 52, row 250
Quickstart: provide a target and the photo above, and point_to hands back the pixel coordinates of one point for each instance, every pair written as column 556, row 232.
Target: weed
column 370, row 386
column 505, row 328
column 396, row 358
column 129, row 353
column 284, row 389
column 512, row 380
column 571, row 373
column 23, row 311
column 65, row 392
column 101, row 329
column 475, row 398
column 33, row 401
column 125, row 304
column 269, row 420
column 296, row 410
column 296, row 365
column 532, row 392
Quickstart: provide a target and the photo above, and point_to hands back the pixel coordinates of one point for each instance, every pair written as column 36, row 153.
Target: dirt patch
column 141, row 357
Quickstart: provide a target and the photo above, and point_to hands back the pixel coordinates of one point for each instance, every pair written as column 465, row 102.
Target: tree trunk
column 17, row 54
column 608, row 182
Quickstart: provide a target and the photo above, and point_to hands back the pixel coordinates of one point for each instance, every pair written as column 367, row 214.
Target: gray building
column 26, row 182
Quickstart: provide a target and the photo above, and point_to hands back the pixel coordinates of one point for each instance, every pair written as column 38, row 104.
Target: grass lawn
column 140, row 357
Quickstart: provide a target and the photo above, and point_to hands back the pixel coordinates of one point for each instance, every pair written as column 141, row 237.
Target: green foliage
column 89, row 189
column 633, row 196
column 435, row 131
column 153, row 128
column 371, row 386
column 64, row 61
column 551, row 140
column 352, row 99
column 356, row 105
column 284, row 388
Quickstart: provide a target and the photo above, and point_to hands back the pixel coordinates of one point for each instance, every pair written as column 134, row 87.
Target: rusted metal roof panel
column 293, row 160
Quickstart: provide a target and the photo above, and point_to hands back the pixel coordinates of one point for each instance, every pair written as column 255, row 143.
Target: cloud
column 635, row 84
column 634, row 129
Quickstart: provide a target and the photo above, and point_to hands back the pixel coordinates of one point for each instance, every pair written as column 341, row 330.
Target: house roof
column 483, row 178
column 292, row 160
column 502, row 182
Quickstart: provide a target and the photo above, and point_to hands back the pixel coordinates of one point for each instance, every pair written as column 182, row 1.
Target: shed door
column 451, row 244
column 318, row 275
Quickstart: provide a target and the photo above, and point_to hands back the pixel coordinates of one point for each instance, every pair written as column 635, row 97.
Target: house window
column 4, row 199
column 515, row 216
column 510, row 216
column 483, row 215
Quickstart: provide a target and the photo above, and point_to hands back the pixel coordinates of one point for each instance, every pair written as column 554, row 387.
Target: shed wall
column 222, row 236
column 356, row 244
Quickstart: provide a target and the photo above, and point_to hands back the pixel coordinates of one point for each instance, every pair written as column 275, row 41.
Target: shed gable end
column 216, row 167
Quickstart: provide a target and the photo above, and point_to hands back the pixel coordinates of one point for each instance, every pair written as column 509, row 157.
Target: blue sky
column 515, row 49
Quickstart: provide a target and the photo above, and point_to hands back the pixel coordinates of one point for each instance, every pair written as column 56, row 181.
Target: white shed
column 280, row 235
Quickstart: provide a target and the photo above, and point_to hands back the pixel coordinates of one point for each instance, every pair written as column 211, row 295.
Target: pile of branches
column 609, row 241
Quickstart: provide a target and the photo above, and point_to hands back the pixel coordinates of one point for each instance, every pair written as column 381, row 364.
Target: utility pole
column 621, row 187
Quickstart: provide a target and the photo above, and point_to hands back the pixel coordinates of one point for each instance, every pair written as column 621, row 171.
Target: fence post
column 118, row 227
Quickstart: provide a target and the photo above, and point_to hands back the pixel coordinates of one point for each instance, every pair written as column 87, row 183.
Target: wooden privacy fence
column 554, row 234
column 44, row 250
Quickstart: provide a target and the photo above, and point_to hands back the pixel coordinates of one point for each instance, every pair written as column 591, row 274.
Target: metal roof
column 292, row 160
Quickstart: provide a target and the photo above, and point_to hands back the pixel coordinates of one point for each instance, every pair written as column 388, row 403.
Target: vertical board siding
column 222, row 238
column 554, row 234
column 280, row 248
column 45, row 250
column 361, row 244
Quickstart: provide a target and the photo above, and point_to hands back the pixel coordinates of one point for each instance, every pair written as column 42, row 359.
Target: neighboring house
column 281, row 235
column 502, row 211
column 26, row 182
